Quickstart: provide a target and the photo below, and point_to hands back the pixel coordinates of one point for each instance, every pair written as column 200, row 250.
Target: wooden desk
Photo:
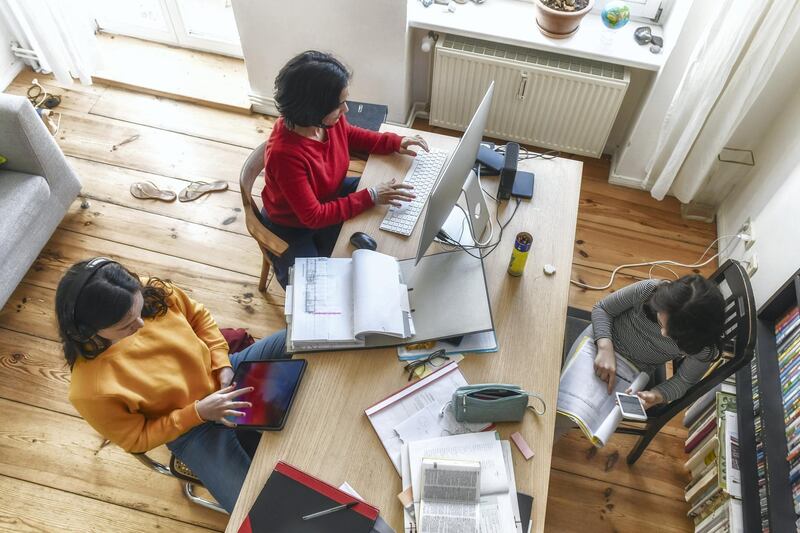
column 327, row 433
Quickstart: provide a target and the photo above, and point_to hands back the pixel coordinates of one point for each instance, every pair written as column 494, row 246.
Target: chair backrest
column 739, row 337
column 251, row 169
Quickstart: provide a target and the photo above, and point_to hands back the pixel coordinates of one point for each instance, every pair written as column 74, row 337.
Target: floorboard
column 47, row 451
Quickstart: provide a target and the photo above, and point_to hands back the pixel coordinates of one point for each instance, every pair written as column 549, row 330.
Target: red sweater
column 303, row 176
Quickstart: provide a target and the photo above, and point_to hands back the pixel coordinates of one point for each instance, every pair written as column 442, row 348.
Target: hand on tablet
column 225, row 376
column 217, row 405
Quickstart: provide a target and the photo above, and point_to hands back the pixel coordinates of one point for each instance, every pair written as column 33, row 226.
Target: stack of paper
column 499, row 510
column 420, row 411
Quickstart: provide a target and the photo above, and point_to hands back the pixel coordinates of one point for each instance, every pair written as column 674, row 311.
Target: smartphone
column 631, row 406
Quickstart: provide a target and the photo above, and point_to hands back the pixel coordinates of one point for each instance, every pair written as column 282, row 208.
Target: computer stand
column 477, row 210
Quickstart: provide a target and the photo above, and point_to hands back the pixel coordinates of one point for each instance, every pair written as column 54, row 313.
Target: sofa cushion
column 22, row 197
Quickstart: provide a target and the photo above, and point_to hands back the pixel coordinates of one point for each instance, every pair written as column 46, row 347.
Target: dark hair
column 695, row 309
column 102, row 302
column 308, row 88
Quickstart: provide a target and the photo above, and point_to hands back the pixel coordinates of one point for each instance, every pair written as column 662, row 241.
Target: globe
column 615, row 14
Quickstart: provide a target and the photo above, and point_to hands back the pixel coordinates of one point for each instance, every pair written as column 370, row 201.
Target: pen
column 331, row 510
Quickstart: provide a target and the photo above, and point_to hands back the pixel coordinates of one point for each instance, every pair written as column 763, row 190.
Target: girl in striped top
column 652, row 322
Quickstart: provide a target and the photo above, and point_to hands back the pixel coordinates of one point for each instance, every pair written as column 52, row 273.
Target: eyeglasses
column 436, row 359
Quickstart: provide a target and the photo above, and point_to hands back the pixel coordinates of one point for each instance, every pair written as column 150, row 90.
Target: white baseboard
column 10, row 73
column 263, row 104
column 624, row 181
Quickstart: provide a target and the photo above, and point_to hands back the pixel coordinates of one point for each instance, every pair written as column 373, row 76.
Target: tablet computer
column 275, row 383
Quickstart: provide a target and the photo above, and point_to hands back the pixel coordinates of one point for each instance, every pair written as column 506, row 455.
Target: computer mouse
column 361, row 240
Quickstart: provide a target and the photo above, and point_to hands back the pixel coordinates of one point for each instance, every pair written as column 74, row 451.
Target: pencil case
column 493, row 402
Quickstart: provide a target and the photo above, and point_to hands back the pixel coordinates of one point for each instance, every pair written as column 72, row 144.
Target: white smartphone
column 631, row 406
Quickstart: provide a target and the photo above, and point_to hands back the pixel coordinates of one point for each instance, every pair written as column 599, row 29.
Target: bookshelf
column 767, row 499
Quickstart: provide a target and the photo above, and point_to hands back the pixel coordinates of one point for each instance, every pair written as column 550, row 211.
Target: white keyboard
column 422, row 174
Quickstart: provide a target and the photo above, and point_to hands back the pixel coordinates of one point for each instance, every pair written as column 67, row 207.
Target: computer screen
column 448, row 189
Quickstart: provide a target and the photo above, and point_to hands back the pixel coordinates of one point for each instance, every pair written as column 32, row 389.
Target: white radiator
column 547, row 100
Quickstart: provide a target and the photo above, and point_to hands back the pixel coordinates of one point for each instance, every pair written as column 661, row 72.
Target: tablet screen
column 274, row 385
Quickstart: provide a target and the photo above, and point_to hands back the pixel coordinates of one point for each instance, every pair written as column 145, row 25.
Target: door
column 206, row 25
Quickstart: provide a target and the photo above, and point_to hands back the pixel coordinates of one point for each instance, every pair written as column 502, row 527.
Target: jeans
column 221, row 456
column 305, row 242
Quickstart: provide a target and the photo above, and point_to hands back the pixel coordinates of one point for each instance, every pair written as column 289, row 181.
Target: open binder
column 373, row 300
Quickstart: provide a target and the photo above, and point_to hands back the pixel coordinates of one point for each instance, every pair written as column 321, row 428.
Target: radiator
column 547, row 100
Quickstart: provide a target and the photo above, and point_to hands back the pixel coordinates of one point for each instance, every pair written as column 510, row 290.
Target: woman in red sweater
column 307, row 195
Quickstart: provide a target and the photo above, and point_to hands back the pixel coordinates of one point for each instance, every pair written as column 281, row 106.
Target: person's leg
column 349, row 186
column 301, row 244
column 215, row 456
column 325, row 238
column 272, row 347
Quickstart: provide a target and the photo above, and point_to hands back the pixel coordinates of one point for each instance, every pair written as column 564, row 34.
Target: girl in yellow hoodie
column 150, row 367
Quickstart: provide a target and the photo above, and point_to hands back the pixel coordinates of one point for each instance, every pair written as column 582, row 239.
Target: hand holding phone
column 631, row 406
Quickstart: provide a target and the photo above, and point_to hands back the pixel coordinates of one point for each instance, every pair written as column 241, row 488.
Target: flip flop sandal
column 196, row 189
column 147, row 190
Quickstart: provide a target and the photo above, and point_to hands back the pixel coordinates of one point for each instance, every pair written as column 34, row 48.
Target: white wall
column 770, row 196
column 10, row 66
column 628, row 166
column 370, row 37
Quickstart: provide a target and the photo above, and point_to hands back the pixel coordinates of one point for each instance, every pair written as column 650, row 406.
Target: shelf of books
column 714, row 493
column 768, row 398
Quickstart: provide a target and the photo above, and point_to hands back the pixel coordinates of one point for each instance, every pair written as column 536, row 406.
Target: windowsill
column 514, row 22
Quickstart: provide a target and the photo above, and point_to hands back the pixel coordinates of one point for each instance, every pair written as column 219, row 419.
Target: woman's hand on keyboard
column 416, row 140
column 392, row 193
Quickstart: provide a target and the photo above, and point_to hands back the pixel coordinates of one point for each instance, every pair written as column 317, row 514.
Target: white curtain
column 60, row 33
column 727, row 70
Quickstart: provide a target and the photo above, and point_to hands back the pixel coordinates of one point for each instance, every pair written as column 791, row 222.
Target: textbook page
column 450, row 499
column 584, row 397
column 482, row 447
column 322, row 302
column 379, row 306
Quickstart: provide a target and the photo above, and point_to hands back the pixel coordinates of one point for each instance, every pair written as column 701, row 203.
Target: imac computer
column 457, row 175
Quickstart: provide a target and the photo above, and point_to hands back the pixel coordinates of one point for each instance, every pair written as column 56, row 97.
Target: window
column 200, row 24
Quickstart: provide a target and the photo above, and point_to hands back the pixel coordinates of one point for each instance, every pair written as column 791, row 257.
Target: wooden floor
column 55, row 473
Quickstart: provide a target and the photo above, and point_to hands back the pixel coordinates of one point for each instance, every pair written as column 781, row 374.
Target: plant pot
column 559, row 24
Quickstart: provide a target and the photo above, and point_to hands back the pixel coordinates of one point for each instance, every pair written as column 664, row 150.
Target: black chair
column 739, row 341
column 179, row 470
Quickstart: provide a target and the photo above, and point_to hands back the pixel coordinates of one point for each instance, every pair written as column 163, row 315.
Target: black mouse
column 361, row 240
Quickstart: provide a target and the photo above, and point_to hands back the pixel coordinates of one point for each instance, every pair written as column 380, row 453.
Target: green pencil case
column 493, row 402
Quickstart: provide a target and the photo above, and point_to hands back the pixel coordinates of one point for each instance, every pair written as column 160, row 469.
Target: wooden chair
column 739, row 343
column 267, row 241
column 180, row 471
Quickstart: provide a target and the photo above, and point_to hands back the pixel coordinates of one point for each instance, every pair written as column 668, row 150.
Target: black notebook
column 290, row 494
column 367, row 116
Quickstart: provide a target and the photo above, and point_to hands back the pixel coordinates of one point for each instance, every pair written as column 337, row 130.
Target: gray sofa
column 37, row 187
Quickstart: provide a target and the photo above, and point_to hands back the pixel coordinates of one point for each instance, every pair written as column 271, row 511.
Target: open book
column 451, row 495
column 499, row 511
column 583, row 397
column 337, row 303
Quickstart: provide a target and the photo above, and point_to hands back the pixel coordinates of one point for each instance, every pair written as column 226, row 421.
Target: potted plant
column 560, row 19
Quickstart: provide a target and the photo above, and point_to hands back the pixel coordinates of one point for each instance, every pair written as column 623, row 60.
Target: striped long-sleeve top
column 621, row 318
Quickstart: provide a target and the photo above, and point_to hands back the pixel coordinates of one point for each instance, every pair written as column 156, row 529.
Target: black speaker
column 509, row 172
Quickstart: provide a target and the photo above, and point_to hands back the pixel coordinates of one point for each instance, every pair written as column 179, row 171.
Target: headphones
column 79, row 332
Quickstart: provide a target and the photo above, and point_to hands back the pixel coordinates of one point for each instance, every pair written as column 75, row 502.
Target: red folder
column 289, row 494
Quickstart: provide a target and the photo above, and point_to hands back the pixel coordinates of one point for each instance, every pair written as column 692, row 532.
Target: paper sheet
column 583, row 397
column 483, row 447
column 431, row 422
column 376, row 298
column 436, row 389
